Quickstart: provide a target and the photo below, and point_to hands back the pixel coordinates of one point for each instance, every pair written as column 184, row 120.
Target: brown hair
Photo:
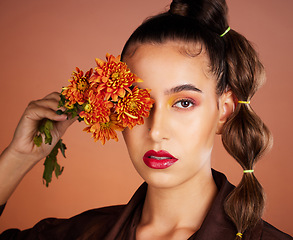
column 237, row 67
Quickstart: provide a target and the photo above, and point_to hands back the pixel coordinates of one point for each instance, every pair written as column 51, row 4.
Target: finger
column 62, row 126
column 49, row 103
column 53, row 95
column 56, row 96
column 36, row 112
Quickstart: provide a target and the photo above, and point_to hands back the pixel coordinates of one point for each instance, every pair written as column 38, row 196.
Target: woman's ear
column 226, row 108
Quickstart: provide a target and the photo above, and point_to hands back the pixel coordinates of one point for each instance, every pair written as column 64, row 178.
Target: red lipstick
column 159, row 160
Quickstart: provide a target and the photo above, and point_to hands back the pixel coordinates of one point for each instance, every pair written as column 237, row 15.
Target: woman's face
column 184, row 120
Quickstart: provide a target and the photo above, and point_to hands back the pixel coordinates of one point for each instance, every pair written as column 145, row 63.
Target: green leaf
column 58, row 170
column 51, row 164
column 41, row 128
column 59, row 112
column 48, row 138
column 48, row 126
column 62, row 100
column 49, row 169
column 62, row 147
column 38, row 140
column 74, row 114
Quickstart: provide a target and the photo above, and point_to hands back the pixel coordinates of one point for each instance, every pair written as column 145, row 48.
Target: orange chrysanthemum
column 113, row 77
column 132, row 108
column 77, row 91
column 96, row 109
column 106, row 130
column 105, row 100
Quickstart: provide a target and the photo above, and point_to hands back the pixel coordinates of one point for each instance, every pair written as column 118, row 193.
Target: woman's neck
column 182, row 207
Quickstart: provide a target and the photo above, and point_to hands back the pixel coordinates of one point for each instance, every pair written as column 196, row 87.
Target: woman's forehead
column 172, row 57
column 163, row 67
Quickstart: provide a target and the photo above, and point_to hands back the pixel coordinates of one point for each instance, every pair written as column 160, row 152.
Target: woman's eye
column 184, row 103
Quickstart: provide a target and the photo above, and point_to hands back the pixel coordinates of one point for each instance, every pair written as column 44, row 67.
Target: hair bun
column 179, row 8
column 210, row 13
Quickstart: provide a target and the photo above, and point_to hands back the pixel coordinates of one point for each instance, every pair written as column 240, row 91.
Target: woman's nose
column 158, row 125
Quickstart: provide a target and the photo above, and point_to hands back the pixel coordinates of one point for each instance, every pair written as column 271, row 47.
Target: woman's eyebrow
column 184, row 87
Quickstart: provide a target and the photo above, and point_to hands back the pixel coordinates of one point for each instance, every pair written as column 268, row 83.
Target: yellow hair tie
column 239, row 235
column 248, row 171
column 245, row 102
column 224, row 33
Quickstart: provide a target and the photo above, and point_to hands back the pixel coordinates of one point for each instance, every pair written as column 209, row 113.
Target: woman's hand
column 37, row 111
column 22, row 153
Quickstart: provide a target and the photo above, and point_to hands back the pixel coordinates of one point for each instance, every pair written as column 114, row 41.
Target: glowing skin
column 185, row 117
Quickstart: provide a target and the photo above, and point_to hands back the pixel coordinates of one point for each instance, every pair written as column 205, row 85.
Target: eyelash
column 190, row 102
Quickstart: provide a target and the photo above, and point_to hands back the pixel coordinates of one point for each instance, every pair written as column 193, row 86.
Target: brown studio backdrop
column 41, row 44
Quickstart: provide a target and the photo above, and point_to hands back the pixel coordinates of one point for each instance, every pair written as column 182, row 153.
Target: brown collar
column 216, row 224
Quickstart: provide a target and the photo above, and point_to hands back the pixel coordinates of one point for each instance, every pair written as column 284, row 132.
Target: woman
column 202, row 76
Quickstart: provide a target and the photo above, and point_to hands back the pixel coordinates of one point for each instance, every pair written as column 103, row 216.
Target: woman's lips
column 159, row 160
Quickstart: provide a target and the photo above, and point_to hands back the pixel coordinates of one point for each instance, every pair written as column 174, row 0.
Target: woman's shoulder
column 109, row 212
column 272, row 233
column 85, row 225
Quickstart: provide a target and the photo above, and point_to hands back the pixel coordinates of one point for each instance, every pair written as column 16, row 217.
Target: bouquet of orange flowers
column 105, row 99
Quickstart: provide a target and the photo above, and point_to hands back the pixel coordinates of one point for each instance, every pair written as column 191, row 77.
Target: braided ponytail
column 236, row 65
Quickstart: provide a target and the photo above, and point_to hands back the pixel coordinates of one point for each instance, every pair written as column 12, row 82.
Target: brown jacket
column 120, row 222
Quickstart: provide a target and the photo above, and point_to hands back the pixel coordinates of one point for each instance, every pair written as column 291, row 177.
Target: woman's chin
column 161, row 180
